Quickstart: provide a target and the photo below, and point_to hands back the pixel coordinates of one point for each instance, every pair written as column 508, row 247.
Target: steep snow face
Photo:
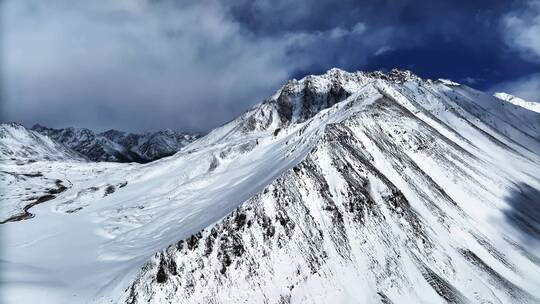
column 117, row 146
column 530, row 105
column 20, row 144
column 400, row 190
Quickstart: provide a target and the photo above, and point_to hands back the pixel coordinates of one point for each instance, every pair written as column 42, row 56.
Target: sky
column 145, row 65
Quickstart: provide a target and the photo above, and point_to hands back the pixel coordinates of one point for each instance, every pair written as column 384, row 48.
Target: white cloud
column 521, row 30
column 382, row 50
column 471, row 80
column 334, row 33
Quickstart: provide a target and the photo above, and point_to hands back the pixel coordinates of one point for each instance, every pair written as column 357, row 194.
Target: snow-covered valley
column 339, row 188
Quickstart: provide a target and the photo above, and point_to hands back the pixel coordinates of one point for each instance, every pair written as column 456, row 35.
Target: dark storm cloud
column 143, row 65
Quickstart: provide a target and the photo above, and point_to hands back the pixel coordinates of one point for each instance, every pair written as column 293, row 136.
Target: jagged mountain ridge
column 117, row 146
column 342, row 187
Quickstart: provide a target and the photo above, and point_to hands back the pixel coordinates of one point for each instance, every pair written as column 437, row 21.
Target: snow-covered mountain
column 339, row 188
column 20, row 144
column 530, row 105
column 117, row 146
column 162, row 143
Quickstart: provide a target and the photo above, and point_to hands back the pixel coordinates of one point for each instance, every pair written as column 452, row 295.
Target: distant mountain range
column 43, row 143
column 118, row 146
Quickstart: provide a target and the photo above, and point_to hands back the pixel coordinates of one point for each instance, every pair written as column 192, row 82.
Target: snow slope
column 341, row 188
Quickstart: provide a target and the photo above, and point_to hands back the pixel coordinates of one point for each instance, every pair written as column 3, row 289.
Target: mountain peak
column 338, row 75
column 38, row 127
column 301, row 99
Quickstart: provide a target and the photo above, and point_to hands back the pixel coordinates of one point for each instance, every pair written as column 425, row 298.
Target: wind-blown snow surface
column 340, row 188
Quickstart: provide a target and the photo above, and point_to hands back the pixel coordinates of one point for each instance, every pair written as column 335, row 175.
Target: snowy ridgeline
column 339, row 188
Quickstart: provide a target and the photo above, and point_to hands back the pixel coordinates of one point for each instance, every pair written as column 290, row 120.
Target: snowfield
column 340, row 188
